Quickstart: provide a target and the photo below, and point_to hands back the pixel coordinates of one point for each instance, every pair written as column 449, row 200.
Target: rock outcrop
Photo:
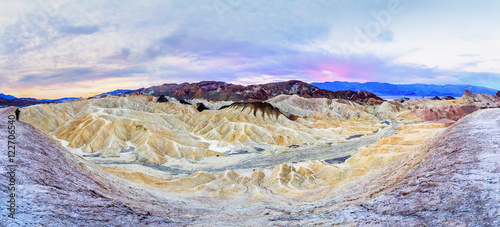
column 201, row 107
column 387, row 108
column 446, row 109
column 162, row 99
column 266, row 109
column 453, row 112
column 480, row 100
column 310, row 107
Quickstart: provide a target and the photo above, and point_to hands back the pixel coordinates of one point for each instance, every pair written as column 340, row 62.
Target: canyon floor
column 128, row 161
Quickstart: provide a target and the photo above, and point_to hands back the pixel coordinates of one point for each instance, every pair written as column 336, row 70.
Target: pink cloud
column 326, row 71
column 338, row 69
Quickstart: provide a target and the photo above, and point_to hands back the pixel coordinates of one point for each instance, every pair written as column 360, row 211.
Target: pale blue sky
column 58, row 48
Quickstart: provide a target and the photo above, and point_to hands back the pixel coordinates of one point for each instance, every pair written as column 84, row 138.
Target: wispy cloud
column 143, row 43
column 71, row 75
column 80, row 30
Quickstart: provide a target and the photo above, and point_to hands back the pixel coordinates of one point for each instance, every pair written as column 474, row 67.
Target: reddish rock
column 482, row 100
column 222, row 91
column 468, row 93
column 444, row 112
column 446, row 122
column 266, row 109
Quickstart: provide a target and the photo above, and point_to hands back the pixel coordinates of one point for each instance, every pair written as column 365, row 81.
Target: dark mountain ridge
column 21, row 102
column 387, row 89
column 222, row 91
column 6, row 96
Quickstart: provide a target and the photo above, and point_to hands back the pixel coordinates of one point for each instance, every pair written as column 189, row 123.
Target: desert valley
column 286, row 153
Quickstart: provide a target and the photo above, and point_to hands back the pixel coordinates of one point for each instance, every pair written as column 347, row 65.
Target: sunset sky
column 67, row 48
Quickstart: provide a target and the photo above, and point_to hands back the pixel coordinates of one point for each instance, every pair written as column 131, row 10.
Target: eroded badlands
column 288, row 160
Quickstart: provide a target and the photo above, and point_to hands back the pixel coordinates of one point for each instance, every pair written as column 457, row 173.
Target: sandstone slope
column 451, row 181
column 57, row 188
column 153, row 132
column 291, row 182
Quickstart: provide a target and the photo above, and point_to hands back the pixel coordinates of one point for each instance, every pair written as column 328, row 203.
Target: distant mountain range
column 59, row 100
column 387, row 89
column 8, row 97
column 9, row 100
column 117, row 92
column 221, row 91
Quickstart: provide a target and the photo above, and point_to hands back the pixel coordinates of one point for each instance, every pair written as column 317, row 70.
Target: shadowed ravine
column 335, row 151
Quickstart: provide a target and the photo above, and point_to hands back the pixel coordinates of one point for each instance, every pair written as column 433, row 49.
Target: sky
column 69, row 48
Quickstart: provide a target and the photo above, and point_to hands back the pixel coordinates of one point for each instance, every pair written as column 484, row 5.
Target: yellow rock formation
column 108, row 126
column 306, row 181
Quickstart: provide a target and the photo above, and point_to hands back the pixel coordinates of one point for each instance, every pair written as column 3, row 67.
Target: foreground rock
column 56, row 188
column 451, row 181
